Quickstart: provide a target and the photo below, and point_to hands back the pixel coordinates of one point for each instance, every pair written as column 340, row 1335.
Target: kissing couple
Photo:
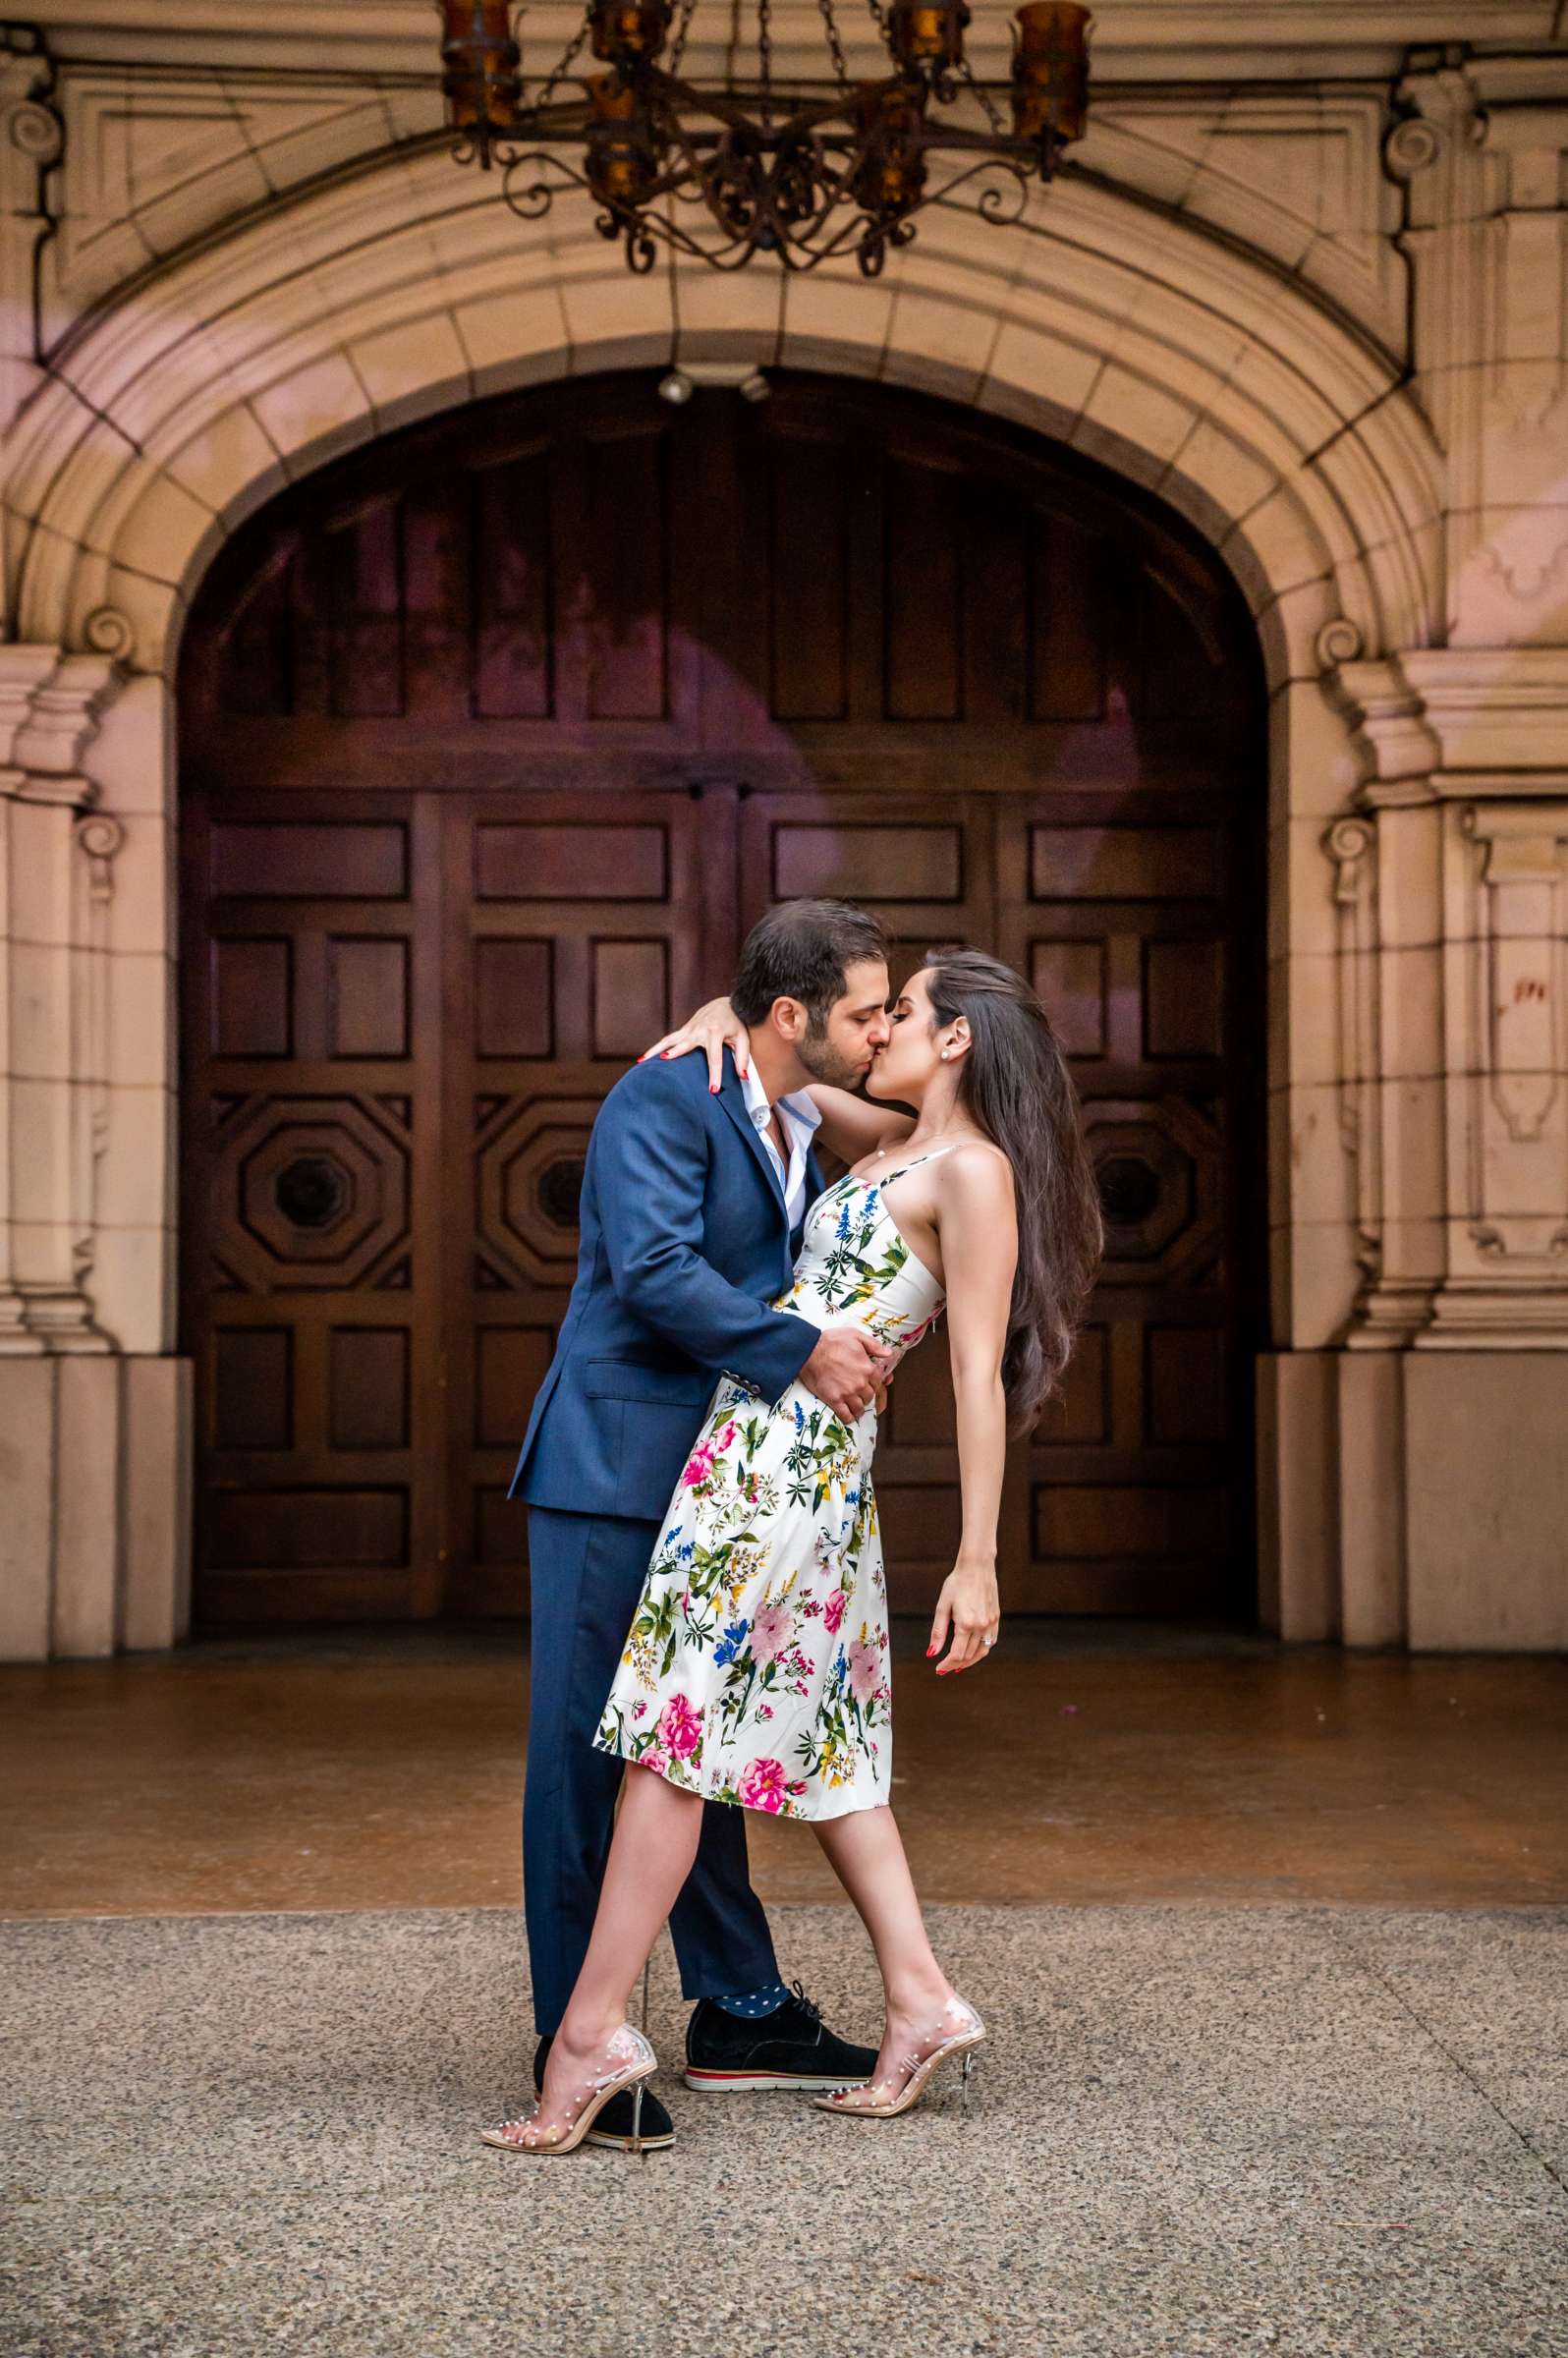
column 710, row 1611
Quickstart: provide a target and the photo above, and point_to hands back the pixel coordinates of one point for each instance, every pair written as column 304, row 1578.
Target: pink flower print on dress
column 762, row 1785
column 770, row 1634
column 680, row 1726
column 698, row 1467
column 833, row 1612
column 864, row 1670
column 658, row 1762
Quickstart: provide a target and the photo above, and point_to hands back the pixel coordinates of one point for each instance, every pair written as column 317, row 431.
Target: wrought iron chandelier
column 804, row 171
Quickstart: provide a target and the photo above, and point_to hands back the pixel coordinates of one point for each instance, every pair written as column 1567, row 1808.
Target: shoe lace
column 814, row 2010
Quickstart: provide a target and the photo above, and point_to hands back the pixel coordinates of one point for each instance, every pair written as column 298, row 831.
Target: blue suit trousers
column 586, row 1574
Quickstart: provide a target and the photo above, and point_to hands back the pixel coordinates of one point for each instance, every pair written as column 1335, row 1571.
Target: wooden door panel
column 926, row 874
column 1122, row 925
column 251, row 995
column 310, row 1105
column 923, row 595
column 809, row 521
column 292, row 859
column 581, row 859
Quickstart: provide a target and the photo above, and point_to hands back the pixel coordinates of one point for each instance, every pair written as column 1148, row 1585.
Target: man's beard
column 824, row 1062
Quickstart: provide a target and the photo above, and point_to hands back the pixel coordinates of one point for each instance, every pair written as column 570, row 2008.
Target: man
column 692, row 1201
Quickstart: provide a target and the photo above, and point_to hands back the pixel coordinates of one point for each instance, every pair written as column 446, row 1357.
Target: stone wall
column 1314, row 297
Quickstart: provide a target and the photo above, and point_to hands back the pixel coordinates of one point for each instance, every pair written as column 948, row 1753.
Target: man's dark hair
column 802, row 950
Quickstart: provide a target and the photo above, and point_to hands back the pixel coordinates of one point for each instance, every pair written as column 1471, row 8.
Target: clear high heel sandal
column 957, row 2030
column 627, row 2061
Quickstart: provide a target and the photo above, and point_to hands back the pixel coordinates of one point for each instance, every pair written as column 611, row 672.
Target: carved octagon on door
column 495, row 738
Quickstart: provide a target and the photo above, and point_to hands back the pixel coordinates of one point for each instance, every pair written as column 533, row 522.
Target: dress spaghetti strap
column 886, row 1178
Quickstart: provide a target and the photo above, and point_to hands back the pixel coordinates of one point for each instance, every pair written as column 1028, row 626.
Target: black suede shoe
column 729, row 2055
column 614, row 2125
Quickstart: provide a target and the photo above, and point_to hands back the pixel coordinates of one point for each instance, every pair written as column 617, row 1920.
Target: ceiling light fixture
column 805, row 172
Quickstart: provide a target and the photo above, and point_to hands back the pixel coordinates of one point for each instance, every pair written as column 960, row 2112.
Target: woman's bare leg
column 866, row 1851
column 657, row 1832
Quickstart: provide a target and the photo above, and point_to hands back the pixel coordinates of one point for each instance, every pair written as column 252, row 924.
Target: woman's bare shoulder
column 974, row 1176
column 971, row 1156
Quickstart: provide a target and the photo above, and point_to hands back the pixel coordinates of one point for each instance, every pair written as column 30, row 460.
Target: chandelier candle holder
column 726, row 171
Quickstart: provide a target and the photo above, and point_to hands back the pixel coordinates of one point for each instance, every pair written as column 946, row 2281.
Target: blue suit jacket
column 684, row 1240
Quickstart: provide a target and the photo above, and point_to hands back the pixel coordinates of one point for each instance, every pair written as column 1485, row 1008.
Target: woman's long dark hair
column 1015, row 1084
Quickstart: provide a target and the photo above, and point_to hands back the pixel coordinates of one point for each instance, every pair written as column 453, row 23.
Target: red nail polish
column 712, row 1089
column 664, row 1051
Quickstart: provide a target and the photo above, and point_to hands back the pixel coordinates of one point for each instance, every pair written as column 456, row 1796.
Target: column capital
column 23, row 671
column 1437, row 724
column 1385, row 712
column 63, row 716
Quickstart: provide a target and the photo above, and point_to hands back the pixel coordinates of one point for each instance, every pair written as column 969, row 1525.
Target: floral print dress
column 756, row 1670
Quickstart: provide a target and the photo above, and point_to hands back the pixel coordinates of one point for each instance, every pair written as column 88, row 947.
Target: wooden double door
column 496, row 739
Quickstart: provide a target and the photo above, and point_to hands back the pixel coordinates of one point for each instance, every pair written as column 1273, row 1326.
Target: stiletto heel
column 969, row 2068
column 957, row 2030
column 627, row 2062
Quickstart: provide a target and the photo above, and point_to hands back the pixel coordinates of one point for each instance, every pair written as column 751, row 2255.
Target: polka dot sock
column 751, row 2003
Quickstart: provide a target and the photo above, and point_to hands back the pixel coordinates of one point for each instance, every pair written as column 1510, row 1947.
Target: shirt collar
column 800, row 1106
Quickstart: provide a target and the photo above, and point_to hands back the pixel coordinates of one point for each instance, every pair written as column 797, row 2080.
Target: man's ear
column 788, row 1019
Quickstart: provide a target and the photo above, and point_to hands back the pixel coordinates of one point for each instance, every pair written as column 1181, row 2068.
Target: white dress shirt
column 799, row 1120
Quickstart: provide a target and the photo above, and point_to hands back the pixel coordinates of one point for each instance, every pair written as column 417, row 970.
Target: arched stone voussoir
column 412, row 368
column 835, row 319
column 1290, row 630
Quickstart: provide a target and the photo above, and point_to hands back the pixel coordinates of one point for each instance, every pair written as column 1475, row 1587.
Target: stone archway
column 1205, row 375
column 1202, row 374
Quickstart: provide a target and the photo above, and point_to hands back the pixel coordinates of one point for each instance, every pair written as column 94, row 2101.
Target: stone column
column 55, row 866
column 93, row 1435
column 29, row 142
column 1452, row 887
column 1507, row 1275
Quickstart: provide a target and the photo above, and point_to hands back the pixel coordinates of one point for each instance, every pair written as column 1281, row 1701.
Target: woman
column 756, row 1670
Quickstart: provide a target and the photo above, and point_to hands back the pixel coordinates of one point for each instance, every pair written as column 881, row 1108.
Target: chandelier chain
column 683, row 28
column 567, row 57
column 764, row 47
column 993, row 113
column 835, row 46
column 878, row 18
